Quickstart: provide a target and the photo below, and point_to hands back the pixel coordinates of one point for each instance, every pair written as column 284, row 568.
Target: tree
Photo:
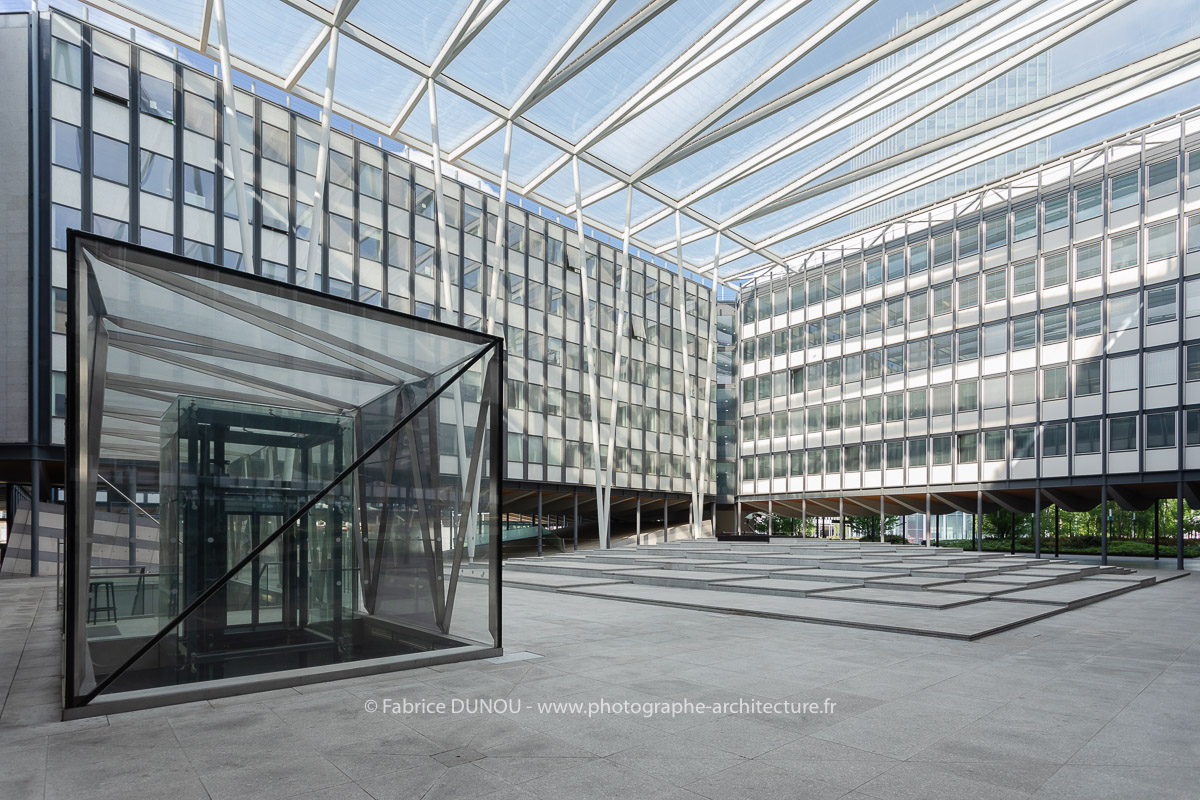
column 867, row 528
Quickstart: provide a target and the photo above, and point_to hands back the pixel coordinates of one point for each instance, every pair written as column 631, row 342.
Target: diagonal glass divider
column 339, row 602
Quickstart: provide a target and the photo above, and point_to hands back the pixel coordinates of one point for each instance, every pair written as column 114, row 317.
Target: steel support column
column 493, row 278
column 539, row 523
column 686, row 366
column 1179, row 506
column 978, row 532
column 35, row 523
column 229, row 99
column 1104, row 524
column 591, row 361
column 1037, row 524
column 665, row 519
column 605, row 486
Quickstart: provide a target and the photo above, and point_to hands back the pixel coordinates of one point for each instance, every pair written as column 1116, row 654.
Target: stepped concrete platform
column 901, row 588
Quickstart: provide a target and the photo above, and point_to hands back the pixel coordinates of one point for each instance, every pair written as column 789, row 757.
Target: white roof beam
column 1075, row 113
column 692, row 61
column 692, row 141
column 961, row 91
column 526, row 101
column 1147, row 69
column 923, row 72
column 597, row 50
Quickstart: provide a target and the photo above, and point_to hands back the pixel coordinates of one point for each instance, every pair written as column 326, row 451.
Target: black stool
column 109, row 609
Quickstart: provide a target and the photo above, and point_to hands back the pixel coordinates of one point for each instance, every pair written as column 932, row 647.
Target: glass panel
column 326, row 475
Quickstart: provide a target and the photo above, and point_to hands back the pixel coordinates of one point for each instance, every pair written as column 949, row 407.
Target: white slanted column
column 589, row 342
column 618, row 376
column 703, row 440
column 468, row 482
column 686, row 366
column 229, row 98
column 493, row 281
column 317, row 228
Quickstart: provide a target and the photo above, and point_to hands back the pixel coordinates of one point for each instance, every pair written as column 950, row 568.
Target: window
column 1024, row 223
column 943, row 349
column 110, row 159
column 156, row 174
column 895, row 407
column 1087, row 378
column 996, row 231
column 814, row 291
column 64, row 217
column 995, row 285
column 1160, row 304
column 1123, row 189
column 994, row 446
column 197, row 187
column 1023, row 442
column 1193, row 362
column 995, row 391
column 968, row 292
column 1161, row 367
column 797, row 296
column 1054, row 326
column 1087, row 319
column 873, row 455
column 853, row 458
column 110, row 79
column 1024, row 333
column 916, row 404
column 156, row 96
column 854, row 323
column 853, row 279
column 1122, row 434
column 895, row 455
column 873, row 410
column 895, row 312
column 1123, row 251
column 918, row 258
column 1161, row 242
column 1024, row 388
column 1054, row 383
column 968, row 445
column 942, row 448
column 917, row 452
column 874, row 318
column 1088, row 260
column 968, row 395
column 943, row 400
column 853, row 415
column 833, row 460
column 968, row 344
column 968, row 241
column 1054, row 440
column 65, row 66
column 995, row 339
column 1089, row 202
column 943, row 299
column 1193, row 234
column 895, row 265
column 1024, row 278
column 65, row 145
column 918, row 354
column 873, row 364
column 918, row 306
column 1160, row 431
column 943, row 249
column 199, row 114
column 1124, row 313
column 833, row 417
column 895, row 359
column 1122, row 373
column 1056, row 213
column 874, row 271
column 1161, row 178
column 1054, row 270
column 1087, row 437
column 1193, row 427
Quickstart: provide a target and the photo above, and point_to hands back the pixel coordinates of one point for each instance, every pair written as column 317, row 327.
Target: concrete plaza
column 1101, row 702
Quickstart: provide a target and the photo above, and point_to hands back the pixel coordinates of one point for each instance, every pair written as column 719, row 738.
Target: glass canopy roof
column 773, row 122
